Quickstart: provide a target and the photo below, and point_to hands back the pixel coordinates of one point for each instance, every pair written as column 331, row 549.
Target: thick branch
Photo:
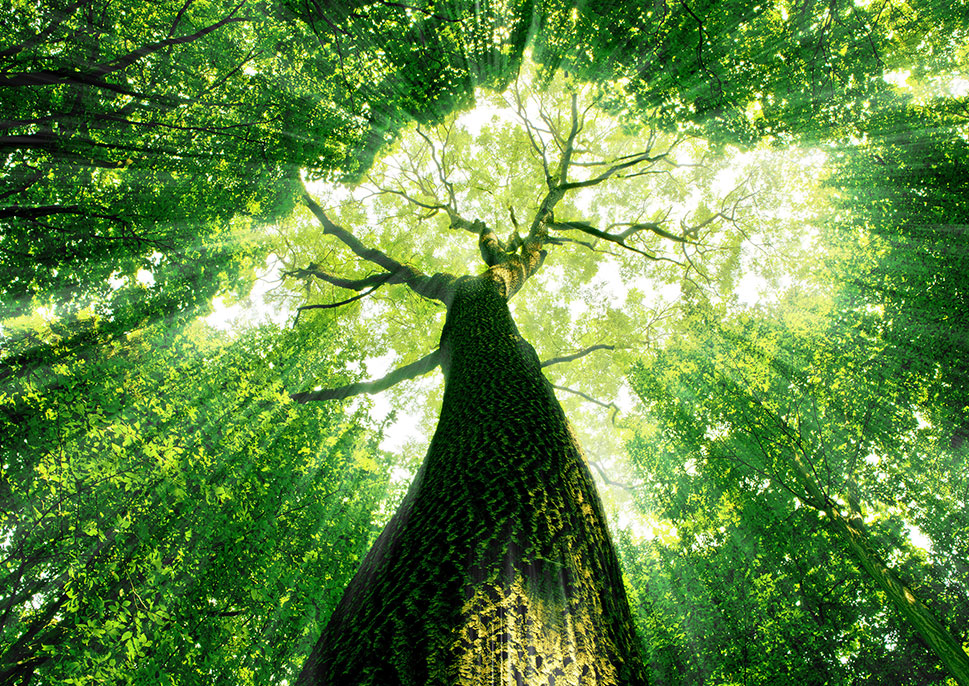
column 459, row 222
column 178, row 17
column 491, row 249
column 409, row 371
column 437, row 287
column 512, row 273
column 653, row 227
column 48, row 210
column 342, row 282
column 95, row 76
column 575, row 356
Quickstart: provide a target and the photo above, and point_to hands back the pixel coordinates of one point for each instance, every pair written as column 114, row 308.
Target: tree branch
column 439, row 165
column 575, row 356
column 512, row 272
column 584, row 227
column 654, row 227
column 569, row 147
column 95, row 76
column 409, row 371
column 435, row 207
column 59, row 17
column 615, row 169
column 540, row 150
column 48, row 210
column 491, row 249
column 330, row 306
column 341, row 282
column 610, row 482
column 436, row 287
column 589, row 398
column 178, row 17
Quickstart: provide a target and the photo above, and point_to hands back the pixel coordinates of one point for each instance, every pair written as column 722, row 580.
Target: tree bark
column 497, row 567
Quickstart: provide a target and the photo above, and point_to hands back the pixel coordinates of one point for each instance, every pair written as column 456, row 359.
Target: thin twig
column 589, row 398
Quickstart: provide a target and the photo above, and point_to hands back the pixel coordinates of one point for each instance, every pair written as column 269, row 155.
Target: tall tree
column 498, row 563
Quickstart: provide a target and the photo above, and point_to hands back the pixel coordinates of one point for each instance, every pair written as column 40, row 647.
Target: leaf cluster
column 170, row 516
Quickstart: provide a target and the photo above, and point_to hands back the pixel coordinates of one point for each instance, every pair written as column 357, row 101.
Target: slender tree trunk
column 497, row 568
column 919, row 617
column 915, row 612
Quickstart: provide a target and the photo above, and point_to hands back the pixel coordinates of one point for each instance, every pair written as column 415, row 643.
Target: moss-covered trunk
column 497, row 568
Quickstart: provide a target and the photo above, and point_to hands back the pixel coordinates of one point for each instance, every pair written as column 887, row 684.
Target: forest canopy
column 734, row 235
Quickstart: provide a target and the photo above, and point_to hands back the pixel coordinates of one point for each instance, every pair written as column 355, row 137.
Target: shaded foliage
column 744, row 71
column 781, row 427
column 169, row 513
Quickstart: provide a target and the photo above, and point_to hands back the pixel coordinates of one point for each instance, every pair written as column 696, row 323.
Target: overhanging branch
column 330, row 306
column 360, row 284
column 409, row 371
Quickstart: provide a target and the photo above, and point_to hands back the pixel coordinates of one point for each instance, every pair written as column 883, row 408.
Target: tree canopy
column 734, row 234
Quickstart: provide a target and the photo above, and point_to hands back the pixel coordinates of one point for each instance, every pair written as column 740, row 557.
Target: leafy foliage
column 142, row 128
column 170, row 513
column 908, row 188
column 767, row 427
column 744, row 71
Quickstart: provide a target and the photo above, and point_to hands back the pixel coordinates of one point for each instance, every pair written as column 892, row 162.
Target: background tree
column 168, row 512
column 752, row 594
column 767, row 414
column 741, row 72
column 908, row 188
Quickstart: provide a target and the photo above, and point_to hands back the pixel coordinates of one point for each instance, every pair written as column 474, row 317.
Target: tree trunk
column 497, row 568
column 915, row 612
